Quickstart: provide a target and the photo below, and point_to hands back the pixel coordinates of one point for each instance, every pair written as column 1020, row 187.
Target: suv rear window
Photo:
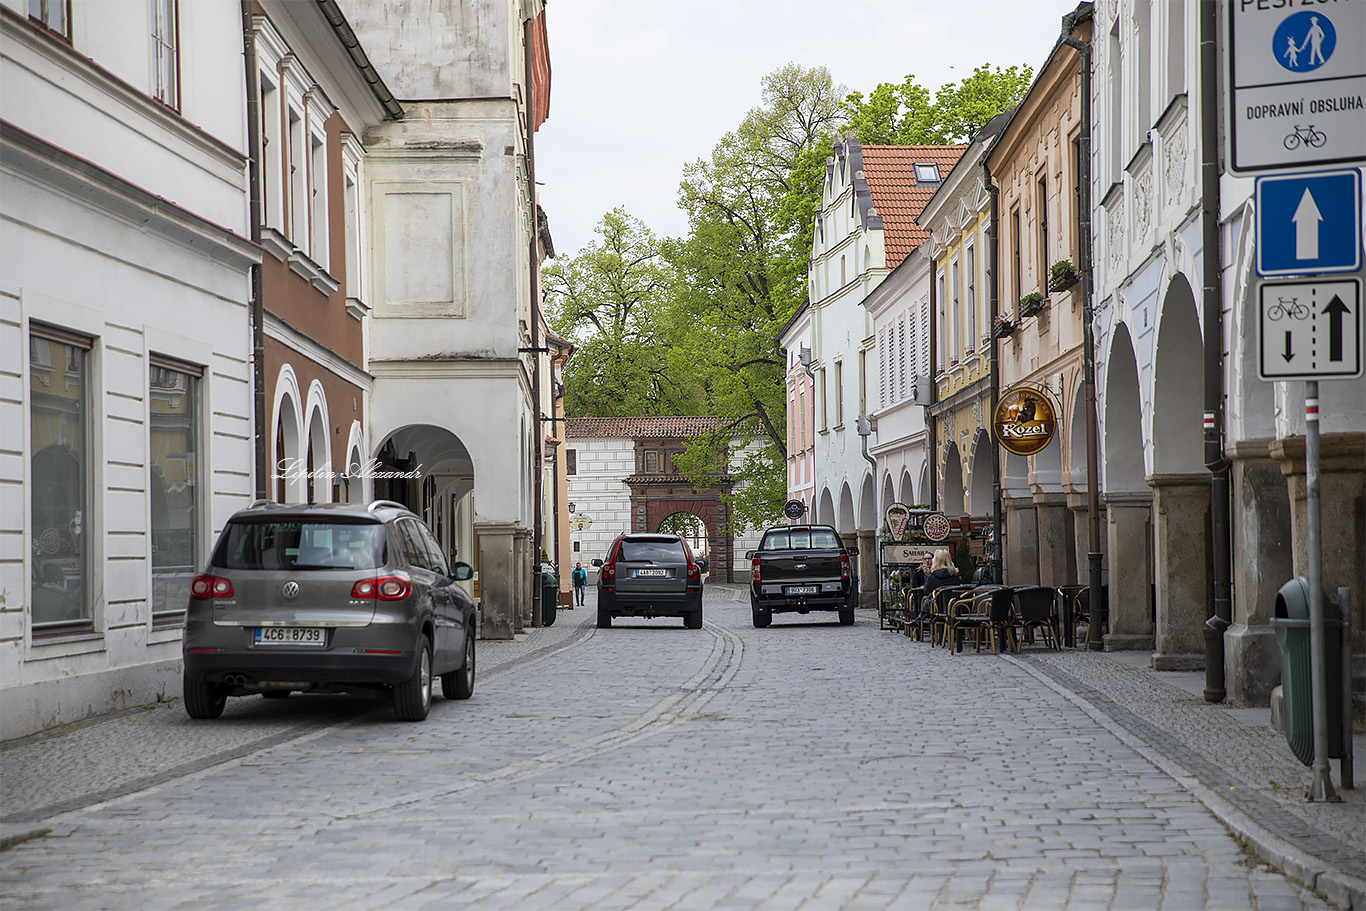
column 302, row 544
column 800, row 539
column 652, row 551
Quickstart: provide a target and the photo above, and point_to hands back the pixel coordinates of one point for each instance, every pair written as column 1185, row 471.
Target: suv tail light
column 205, row 587
column 609, row 570
column 386, row 588
column 694, row 571
column 844, row 566
column 755, row 570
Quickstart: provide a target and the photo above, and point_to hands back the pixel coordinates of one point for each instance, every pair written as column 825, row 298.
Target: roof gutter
column 333, row 14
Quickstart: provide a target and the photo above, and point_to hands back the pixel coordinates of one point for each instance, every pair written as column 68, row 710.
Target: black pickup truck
column 801, row 568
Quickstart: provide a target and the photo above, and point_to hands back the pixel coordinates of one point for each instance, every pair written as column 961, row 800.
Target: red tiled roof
column 896, row 195
column 677, row 428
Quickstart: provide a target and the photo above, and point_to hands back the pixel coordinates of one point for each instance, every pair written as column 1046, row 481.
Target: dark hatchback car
column 650, row 575
column 328, row 598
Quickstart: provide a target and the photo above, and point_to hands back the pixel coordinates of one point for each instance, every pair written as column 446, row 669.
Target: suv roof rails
column 256, row 504
column 380, row 503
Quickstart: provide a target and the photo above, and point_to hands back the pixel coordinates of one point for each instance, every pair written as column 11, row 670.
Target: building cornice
column 292, row 338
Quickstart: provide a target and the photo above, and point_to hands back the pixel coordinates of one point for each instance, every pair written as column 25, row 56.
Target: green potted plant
column 1031, row 303
column 1062, row 276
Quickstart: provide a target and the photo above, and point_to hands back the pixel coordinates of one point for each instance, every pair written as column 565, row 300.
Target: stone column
column 1057, row 543
column 497, row 572
column 522, row 586
column 1022, row 542
column 1131, row 605
column 1081, row 536
column 1342, row 514
column 1263, row 561
column 867, row 569
column 1182, row 569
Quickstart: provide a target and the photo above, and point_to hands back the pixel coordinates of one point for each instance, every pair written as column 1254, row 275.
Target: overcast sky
column 641, row 87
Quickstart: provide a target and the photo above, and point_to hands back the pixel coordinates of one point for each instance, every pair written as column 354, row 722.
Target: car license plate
column 306, row 636
column 803, row 589
column 654, row 573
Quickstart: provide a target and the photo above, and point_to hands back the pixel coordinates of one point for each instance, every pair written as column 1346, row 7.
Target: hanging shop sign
column 1025, row 420
column 898, row 516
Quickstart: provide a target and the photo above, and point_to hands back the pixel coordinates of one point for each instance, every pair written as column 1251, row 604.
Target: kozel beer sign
column 1024, row 420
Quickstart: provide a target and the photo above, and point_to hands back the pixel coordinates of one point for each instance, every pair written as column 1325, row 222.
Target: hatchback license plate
column 651, row 572
column 306, row 636
column 803, row 589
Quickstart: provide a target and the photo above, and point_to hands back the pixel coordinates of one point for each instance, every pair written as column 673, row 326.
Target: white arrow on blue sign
column 1309, row 224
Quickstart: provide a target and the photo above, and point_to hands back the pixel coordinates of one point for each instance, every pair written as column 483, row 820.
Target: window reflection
column 58, row 397
column 174, row 490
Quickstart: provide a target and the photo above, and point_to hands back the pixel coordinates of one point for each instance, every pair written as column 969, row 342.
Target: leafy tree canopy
column 903, row 113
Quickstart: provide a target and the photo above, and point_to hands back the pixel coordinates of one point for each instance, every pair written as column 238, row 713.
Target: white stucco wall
column 175, row 285
column 598, row 492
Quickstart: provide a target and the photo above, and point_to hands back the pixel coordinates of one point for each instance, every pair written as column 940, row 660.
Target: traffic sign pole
column 1321, row 787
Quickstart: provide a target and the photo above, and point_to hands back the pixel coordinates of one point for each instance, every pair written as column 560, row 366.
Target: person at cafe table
column 942, row 572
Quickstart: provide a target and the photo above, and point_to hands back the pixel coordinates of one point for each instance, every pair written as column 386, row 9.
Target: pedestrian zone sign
column 1297, row 85
column 1309, row 330
column 1309, row 224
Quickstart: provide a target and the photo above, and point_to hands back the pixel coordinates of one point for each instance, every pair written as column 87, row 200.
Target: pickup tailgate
column 798, row 568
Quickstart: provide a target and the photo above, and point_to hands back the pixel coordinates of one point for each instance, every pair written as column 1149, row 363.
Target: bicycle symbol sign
column 1310, row 330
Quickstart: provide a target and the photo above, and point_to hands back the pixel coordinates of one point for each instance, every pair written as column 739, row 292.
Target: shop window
column 174, row 447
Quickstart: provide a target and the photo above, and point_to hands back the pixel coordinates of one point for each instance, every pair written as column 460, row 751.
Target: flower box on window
column 1003, row 327
column 1031, row 303
column 1062, row 276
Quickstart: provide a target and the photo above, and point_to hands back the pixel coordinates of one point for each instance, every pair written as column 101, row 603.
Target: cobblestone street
column 650, row 767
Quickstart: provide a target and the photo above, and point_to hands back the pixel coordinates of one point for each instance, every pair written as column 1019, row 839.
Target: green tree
column 743, row 275
column 903, row 114
column 611, row 300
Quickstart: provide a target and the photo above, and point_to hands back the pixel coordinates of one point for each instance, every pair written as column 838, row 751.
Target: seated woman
column 942, row 573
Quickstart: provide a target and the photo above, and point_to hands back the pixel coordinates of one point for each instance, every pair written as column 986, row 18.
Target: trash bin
column 1291, row 624
column 550, row 594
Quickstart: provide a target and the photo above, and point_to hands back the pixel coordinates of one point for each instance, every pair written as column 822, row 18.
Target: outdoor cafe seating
column 1001, row 617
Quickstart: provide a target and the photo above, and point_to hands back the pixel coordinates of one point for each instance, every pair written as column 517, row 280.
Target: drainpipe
column 1218, row 465
column 1099, row 610
column 258, row 329
column 993, row 298
column 533, row 287
column 932, row 455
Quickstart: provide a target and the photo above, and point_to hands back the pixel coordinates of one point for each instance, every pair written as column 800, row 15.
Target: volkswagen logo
column 291, row 590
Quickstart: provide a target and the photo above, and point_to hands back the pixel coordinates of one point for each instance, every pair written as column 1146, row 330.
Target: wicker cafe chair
column 1036, row 609
column 986, row 610
column 938, row 611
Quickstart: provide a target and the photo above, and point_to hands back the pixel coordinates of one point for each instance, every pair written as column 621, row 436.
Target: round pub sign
column 1024, row 421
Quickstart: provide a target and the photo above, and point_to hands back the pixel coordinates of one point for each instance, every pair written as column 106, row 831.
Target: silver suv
column 328, row 598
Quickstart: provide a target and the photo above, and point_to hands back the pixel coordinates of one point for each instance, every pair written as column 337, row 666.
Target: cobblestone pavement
column 806, row 765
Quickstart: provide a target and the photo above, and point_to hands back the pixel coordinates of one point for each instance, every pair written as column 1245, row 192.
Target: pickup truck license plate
column 309, row 636
column 803, row 590
column 656, row 573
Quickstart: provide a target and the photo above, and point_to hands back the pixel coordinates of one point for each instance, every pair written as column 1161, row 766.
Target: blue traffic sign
column 1309, row 224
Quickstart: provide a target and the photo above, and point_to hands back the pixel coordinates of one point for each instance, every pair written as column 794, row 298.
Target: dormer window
column 927, row 173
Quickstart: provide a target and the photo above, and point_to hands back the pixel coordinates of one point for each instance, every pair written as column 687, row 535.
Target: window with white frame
column 53, row 14
column 823, row 392
column 174, row 489
column 165, row 62
column 1175, row 47
column 61, row 481
column 317, row 190
column 941, row 313
column 970, row 297
column 955, row 323
column 272, row 154
column 863, row 381
column 924, row 336
column 882, row 368
column 298, row 180
column 839, row 393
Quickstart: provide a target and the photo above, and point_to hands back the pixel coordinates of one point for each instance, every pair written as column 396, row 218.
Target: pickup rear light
column 385, row 588
column 756, row 572
column 844, row 566
column 205, row 587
